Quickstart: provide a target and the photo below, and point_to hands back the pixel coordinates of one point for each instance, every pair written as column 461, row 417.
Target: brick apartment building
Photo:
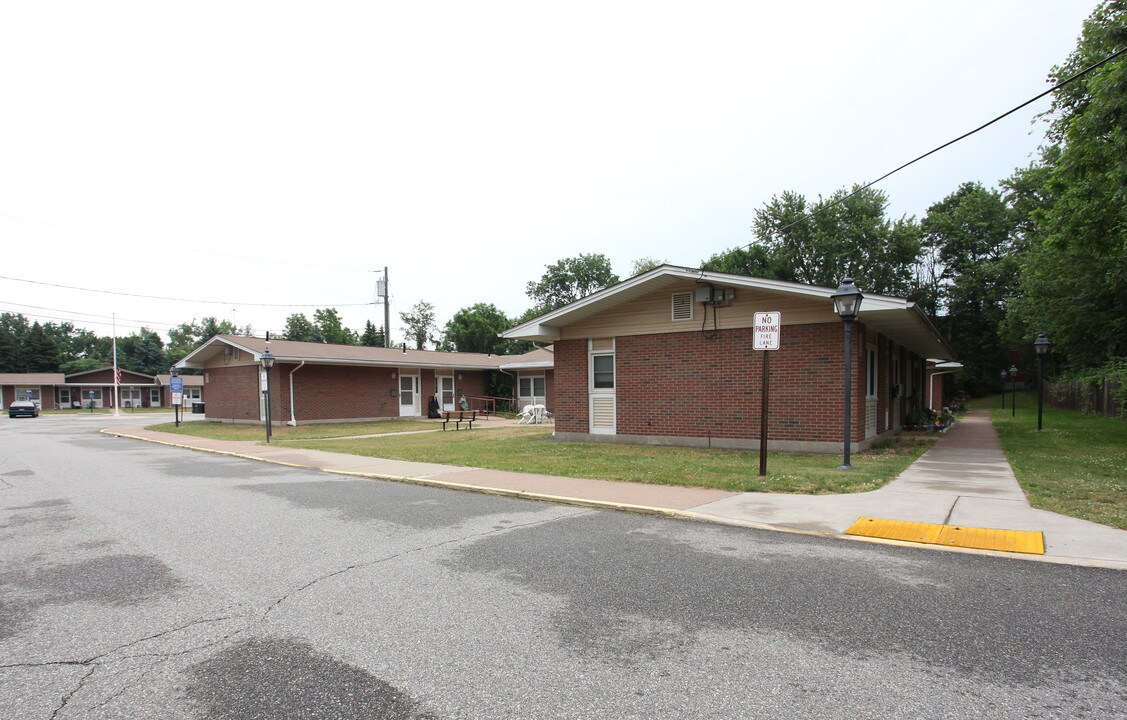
column 318, row 383
column 647, row 361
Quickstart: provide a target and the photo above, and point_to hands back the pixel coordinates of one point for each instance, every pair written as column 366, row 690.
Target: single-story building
column 532, row 377
column 318, row 382
column 667, row 357
column 41, row 388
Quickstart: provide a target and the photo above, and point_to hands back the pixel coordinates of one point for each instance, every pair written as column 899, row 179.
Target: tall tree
column 569, row 280
column 973, row 232
column 300, row 329
column 419, row 326
column 40, row 350
column 1074, row 277
column 476, row 329
column 331, row 329
column 820, row 243
column 372, row 336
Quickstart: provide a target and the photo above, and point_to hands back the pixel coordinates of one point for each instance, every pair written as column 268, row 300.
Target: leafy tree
column 40, row 351
column 13, row 328
column 332, row 330
column 300, row 329
column 1074, row 277
column 372, row 336
column 185, row 337
column 475, row 329
column 820, row 243
column 80, row 365
column 973, row 231
column 645, row 264
column 146, row 354
column 419, row 324
column 569, row 280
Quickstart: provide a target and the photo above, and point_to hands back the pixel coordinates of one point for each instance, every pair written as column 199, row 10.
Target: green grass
column 1076, row 466
column 230, row 431
column 533, row 450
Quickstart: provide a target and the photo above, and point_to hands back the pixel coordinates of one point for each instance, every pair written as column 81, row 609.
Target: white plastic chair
column 526, row 415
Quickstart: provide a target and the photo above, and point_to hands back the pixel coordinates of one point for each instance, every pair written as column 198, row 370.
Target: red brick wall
column 322, row 392
column 709, row 384
column 232, row 393
column 570, row 386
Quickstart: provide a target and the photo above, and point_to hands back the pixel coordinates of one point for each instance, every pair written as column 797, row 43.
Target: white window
column 22, row 394
column 531, row 391
column 154, row 397
column 192, row 393
column 682, row 306
column 64, row 397
column 601, row 395
column 130, row 397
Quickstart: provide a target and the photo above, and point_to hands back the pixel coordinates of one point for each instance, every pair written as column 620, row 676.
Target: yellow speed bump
column 1021, row 541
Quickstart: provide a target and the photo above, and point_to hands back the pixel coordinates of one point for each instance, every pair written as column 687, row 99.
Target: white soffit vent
column 683, row 306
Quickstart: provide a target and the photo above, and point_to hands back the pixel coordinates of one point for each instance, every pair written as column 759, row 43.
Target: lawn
column 534, row 450
column 1076, row 466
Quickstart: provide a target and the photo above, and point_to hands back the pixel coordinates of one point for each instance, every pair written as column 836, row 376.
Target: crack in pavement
column 73, row 692
column 411, row 551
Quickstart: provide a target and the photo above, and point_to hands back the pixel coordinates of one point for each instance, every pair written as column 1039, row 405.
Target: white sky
column 278, row 152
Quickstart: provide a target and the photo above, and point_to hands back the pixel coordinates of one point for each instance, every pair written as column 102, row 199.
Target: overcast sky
column 279, row 152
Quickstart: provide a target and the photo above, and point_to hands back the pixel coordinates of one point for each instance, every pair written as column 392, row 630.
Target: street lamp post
column 1004, row 376
column 1041, row 345
column 173, row 372
column 267, row 363
column 847, row 304
column 1013, row 390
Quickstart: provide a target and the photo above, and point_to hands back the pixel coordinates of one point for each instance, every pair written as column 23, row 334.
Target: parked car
column 24, row 408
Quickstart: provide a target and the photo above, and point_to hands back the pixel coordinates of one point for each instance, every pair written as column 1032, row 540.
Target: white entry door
column 409, row 396
column 444, row 390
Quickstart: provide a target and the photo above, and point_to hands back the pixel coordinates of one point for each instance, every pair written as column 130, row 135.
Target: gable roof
column 538, row 359
column 899, row 319
column 326, row 354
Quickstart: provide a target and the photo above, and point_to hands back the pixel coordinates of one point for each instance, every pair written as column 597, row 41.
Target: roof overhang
column 897, row 318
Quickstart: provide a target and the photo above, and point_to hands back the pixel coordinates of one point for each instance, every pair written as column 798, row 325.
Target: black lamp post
column 847, row 304
column 1004, row 376
column 1013, row 390
column 267, row 363
column 173, row 372
column 1041, row 345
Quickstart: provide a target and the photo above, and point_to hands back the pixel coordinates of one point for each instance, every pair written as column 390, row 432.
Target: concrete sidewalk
column 964, row 479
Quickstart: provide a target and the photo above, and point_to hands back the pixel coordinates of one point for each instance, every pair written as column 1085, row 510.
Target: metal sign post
column 766, row 338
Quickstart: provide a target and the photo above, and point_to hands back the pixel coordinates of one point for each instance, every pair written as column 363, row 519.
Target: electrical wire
column 187, row 300
column 94, row 315
column 965, row 135
column 194, row 250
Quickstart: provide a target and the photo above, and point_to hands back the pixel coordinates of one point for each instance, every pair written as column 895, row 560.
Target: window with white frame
column 154, row 397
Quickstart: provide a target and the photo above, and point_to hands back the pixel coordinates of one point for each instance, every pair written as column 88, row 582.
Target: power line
column 187, row 300
column 1076, row 76
column 93, row 315
column 194, row 250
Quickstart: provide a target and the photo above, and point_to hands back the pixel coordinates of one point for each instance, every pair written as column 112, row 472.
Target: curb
column 685, row 515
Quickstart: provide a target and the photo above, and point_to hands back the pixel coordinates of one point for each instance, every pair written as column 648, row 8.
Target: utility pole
column 381, row 291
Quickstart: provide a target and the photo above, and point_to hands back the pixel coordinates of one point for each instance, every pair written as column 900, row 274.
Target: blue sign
column 28, row 394
column 176, row 384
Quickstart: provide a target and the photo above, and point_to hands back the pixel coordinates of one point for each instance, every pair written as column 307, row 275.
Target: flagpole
column 116, row 379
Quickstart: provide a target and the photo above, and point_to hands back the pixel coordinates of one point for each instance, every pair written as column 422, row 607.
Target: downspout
column 931, row 387
column 293, row 418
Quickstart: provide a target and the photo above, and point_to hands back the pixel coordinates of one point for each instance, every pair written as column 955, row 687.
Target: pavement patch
column 1019, row 541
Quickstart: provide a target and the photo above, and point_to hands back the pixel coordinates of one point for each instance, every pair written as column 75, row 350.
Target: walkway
column 964, row 479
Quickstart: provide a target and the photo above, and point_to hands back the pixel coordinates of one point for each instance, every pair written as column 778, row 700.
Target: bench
column 458, row 417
